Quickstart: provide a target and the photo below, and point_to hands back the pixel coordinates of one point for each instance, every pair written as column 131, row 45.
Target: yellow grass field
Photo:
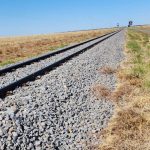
column 146, row 27
column 13, row 49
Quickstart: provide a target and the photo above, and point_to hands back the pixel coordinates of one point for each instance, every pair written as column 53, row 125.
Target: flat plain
column 14, row 49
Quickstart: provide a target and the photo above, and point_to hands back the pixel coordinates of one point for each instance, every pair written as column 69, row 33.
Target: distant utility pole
column 130, row 23
column 118, row 25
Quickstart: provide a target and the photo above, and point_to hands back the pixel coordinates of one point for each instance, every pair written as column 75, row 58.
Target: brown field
column 146, row 27
column 13, row 49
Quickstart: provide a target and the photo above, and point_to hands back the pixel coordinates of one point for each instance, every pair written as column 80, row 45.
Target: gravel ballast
column 58, row 111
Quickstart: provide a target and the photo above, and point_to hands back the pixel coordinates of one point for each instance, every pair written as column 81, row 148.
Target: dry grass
column 121, row 91
column 107, row 70
column 145, row 27
column 101, row 91
column 14, row 49
column 129, row 128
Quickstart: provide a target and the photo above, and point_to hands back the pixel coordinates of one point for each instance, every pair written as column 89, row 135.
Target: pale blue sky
column 25, row 17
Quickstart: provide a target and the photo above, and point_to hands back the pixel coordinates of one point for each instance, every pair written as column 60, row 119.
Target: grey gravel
column 59, row 111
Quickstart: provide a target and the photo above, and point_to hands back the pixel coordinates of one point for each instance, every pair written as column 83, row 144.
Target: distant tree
column 118, row 25
column 130, row 23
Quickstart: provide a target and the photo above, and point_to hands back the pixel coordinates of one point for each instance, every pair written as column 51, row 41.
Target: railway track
column 60, row 110
column 16, row 75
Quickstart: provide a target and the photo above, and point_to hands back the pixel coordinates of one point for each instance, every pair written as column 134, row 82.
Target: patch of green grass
column 140, row 51
column 138, row 59
column 134, row 46
column 138, row 71
column 58, row 47
column 7, row 62
column 134, row 36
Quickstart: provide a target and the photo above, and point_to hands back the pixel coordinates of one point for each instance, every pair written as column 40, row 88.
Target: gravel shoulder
column 59, row 111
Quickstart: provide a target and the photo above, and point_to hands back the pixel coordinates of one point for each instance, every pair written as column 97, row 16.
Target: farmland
column 13, row 49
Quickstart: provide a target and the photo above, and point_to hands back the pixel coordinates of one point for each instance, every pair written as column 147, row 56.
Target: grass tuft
column 107, row 70
column 101, row 91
